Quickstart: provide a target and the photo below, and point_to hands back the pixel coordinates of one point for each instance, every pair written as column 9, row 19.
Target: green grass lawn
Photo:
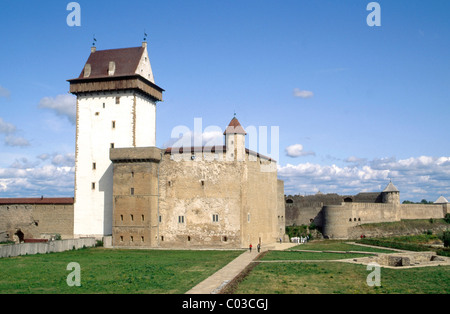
column 326, row 277
column 111, row 271
column 342, row 278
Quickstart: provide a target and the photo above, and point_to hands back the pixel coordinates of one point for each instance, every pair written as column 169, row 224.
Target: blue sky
column 356, row 106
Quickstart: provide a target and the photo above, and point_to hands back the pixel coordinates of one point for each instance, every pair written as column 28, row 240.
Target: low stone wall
column 43, row 248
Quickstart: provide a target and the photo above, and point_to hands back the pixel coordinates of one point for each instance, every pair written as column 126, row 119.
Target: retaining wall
column 43, row 248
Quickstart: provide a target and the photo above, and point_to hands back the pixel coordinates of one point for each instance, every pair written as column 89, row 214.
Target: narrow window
column 97, row 113
column 93, row 185
column 248, row 217
column 103, row 105
column 189, row 238
column 181, row 219
column 162, row 238
column 94, row 166
column 132, row 191
column 132, row 174
column 112, row 145
column 203, row 182
column 121, row 217
column 121, row 238
column 215, row 218
column 114, row 124
column 169, row 183
column 131, row 217
column 142, row 239
column 117, row 100
column 131, row 238
column 142, row 218
column 224, row 239
column 160, row 219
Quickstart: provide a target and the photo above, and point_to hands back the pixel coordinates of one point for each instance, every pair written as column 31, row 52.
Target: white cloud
column 4, row 92
column 50, row 176
column 302, row 93
column 62, row 105
column 64, row 160
column 416, row 177
column 16, row 141
column 11, row 139
column 296, row 150
column 6, row 128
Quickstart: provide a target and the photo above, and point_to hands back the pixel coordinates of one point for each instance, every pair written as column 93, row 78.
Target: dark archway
column 20, row 235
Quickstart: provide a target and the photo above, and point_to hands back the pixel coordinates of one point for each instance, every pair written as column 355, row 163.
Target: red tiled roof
column 234, row 127
column 126, row 60
column 40, row 200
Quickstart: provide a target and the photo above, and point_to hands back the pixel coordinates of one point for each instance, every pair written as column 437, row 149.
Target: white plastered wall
column 100, row 123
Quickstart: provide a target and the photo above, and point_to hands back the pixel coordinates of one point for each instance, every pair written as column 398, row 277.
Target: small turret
column 391, row 195
column 235, row 141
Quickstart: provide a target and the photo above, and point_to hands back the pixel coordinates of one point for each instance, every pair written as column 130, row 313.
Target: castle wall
column 36, row 221
column 339, row 218
column 281, row 210
column 336, row 221
column 200, row 202
column 304, row 213
column 122, row 119
column 204, row 201
column 135, row 196
column 260, row 223
column 422, row 211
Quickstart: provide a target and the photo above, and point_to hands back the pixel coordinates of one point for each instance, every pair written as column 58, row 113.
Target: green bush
column 447, row 218
column 446, row 238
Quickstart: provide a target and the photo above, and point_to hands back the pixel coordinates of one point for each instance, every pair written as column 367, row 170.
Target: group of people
column 300, row 239
column 258, row 247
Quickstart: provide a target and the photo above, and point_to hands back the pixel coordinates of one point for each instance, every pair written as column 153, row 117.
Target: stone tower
column 116, row 108
column 391, row 195
column 235, row 141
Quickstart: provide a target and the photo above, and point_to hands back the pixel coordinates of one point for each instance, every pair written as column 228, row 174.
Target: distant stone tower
column 391, row 195
column 235, row 141
column 116, row 108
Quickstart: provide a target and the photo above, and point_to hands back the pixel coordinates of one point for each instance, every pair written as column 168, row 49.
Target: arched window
column 289, row 201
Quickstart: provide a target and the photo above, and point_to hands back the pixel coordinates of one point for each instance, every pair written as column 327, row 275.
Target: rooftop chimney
column 144, row 44
column 93, row 49
column 111, row 68
column 87, row 70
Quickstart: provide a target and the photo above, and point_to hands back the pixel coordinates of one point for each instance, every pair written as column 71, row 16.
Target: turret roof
column 441, row 200
column 391, row 188
column 234, row 127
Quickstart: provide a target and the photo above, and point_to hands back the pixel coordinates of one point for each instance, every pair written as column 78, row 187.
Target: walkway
column 221, row 278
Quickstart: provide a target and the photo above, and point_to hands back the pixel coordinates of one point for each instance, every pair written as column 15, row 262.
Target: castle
column 138, row 195
column 144, row 196
column 338, row 216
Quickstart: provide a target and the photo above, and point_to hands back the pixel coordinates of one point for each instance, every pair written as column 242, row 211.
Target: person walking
column 250, row 247
column 258, row 247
